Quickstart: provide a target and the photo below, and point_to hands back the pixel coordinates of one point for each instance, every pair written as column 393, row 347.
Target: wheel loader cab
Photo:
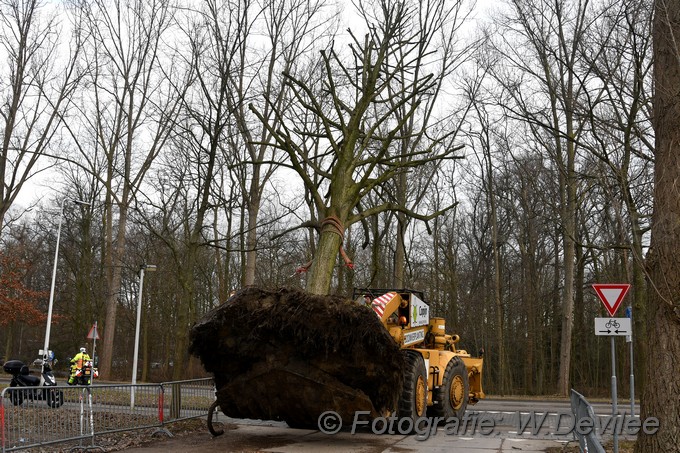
column 399, row 317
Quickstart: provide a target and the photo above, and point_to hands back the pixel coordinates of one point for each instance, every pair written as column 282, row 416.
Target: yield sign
column 611, row 295
column 93, row 334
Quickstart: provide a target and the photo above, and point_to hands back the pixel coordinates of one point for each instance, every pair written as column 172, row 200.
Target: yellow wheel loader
column 289, row 355
column 438, row 377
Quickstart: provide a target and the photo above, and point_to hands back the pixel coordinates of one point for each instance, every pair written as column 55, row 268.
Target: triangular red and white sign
column 93, row 334
column 611, row 295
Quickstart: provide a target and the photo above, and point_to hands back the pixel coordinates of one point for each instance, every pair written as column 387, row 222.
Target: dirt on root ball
column 290, row 355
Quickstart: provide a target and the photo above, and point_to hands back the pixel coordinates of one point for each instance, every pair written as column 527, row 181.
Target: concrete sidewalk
column 268, row 438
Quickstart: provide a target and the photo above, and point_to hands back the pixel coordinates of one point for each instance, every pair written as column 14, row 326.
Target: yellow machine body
column 406, row 317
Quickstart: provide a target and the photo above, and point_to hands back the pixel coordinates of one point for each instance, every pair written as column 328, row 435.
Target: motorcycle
column 84, row 374
column 37, row 388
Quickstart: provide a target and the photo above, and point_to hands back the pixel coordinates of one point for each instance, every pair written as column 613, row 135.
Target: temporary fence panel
column 112, row 410
column 39, row 416
column 28, row 420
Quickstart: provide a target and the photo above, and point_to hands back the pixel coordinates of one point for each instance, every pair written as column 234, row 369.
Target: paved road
column 504, row 437
column 244, row 437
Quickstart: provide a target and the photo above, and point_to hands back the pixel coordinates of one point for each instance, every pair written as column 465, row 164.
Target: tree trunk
column 185, row 313
column 221, row 264
column 399, row 252
column 321, row 273
column 114, row 272
column 242, row 240
column 400, row 247
column 8, row 342
column 530, row 293
column 503, row 384
column 251, row 243
column 569, row 238
column 253, row 209
column 661, row 394
column 563, row 383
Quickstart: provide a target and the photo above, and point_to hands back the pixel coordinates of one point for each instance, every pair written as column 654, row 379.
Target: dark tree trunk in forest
column 661, row 394
column 114, row 271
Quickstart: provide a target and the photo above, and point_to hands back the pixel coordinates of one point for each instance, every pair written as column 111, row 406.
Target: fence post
column 161, row 404
column 176, row 403
column 2, row 424
column 82, row 414
column 161, row 412
column 89, row 406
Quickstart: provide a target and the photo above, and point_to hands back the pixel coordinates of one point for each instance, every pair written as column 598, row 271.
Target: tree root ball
column 289, row 355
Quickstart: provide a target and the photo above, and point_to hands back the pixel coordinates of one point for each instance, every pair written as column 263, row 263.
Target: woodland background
column 206, row 136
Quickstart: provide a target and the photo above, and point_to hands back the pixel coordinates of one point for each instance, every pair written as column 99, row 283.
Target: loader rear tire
column 413, row 399
column 452, row 397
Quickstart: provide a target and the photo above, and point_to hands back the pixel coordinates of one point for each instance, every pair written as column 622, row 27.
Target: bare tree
column 213, row 136
column 185, row 183
column 127, row 114
column 621, row 136
column 290, row 28
column 661, row 395
column 545, row 94
column 488, row 174
column 439, row 26
column 355, row 128
column 37, row 83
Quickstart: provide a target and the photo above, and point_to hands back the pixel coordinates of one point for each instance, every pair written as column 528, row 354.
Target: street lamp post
column 142, row 268
column 46, row 346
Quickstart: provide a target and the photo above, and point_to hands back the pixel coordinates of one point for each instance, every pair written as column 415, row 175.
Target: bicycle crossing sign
column 611, row 295
column 613, row 326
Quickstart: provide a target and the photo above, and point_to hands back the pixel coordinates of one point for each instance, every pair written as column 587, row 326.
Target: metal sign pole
column 611, row 295
column 629, row 339
column 94, row 343
column 614, row 409
column 632, row 382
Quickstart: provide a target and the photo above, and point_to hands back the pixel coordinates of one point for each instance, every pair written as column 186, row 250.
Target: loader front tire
column 452, row 397
column 413, row 399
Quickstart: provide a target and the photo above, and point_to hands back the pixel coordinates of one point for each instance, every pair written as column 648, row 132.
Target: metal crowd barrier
column 182, row 400
column 38, row 416
column 581, row 408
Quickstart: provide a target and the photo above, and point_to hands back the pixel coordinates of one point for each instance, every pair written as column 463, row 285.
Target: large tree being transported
column 362, row 124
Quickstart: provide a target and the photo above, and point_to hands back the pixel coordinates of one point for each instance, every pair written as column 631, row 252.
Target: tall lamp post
column 46, row 346
column 142, row 268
